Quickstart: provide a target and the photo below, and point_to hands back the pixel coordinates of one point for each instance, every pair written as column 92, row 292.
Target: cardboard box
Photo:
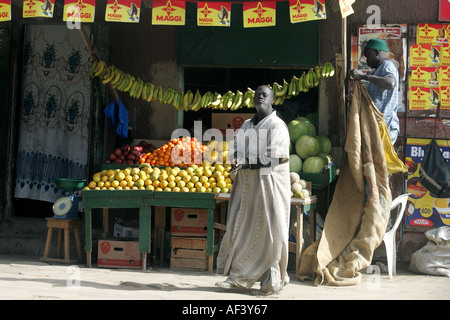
column 119, row 254
column 189, row 222
column 233, row 121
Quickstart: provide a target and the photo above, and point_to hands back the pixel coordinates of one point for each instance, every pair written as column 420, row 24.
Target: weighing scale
column 67, row 207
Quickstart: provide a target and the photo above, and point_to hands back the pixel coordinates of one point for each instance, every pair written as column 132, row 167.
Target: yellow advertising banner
column 123, row 11
column 167, row 12
column 259, row 14
column 307, row 10
column 424, row 55
column 444, row 76
column 444, row 92
column 5, row 10
column 424, row 77
column 428, row 33
column 423, row 98
column 445, row 55
column 216, row 14
column 38, row 8
column 79, row 10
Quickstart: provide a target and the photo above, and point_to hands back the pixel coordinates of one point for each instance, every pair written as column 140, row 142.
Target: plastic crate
column 320, row 180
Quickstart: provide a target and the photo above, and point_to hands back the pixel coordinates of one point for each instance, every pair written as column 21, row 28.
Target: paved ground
column 23, row 278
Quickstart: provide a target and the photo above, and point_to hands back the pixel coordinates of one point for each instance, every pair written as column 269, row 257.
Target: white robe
column 255, row 245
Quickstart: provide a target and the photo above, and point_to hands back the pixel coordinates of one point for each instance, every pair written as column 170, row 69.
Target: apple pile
column 130, row 155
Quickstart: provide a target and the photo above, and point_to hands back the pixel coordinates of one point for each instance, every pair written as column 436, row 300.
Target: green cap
column 377, row 44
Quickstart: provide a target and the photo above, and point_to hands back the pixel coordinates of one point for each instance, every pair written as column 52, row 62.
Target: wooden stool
column 66, row 225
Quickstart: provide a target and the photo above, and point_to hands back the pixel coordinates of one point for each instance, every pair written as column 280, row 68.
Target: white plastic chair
column 389, row 237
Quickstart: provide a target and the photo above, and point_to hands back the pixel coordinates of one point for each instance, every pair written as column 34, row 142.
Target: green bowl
column 67, row 184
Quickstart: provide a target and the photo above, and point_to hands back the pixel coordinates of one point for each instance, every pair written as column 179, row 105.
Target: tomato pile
column 181, row 152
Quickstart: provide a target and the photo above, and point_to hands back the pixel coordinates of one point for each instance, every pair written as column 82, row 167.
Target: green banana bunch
column 146, row 91
column 284, row 89
column 118, row 76
column 195, row 106
column 293, row 87
column 92, row 68
column 187, row 100
column 97, row 68
column 237, row 101
column 177, row 102
column 216, row 100
column 158, row 94
column 247, row 99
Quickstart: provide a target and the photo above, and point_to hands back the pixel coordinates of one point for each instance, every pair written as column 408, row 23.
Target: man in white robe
column 255, row 245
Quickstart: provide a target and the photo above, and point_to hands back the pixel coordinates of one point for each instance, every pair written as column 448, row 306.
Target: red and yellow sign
column 259, row 14
column 445, row 97
column 424, row 77
column 216, row 14
column 38, row 8
column 169, row 12
column 436, row 34
column 445, row 55
column 424, row 55
column 423, row 98
column 123, row 11
column 79, row 10
column 444, row 76
column 307, row 10
column 5, row 10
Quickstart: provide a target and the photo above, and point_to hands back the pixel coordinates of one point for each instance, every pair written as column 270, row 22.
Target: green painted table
column 144, row 200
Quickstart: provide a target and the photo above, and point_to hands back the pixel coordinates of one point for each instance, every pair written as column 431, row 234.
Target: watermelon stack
column 309, row 152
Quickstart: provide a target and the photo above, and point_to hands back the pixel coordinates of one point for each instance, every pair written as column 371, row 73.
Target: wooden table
column 144, row 200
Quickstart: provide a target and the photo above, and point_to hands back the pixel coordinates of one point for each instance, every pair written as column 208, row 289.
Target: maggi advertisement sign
column 216, row 14
column 167, row 12
column 123, row 10
column 38, row 8
column 307, row 10
column 79, row 10
column 5, row 10
column 428, row 33
column 259, row 14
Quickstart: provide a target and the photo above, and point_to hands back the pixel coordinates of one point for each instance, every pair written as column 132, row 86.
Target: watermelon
column 325, row 144
column 297, row 129
column 295, row 163
column 307, row 146
column 313, row 165
column 309, row 124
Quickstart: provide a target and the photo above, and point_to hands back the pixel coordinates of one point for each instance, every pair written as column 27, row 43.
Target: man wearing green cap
column 383, row 83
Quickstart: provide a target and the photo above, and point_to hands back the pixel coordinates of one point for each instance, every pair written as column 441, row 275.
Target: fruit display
column 190, row 101
column 195, row 178
column 184, row 151
column 299, row 187
column 180, row 152
column 310, row 152
column 130, row 155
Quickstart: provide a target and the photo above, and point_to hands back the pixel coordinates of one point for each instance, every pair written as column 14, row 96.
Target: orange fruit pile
column 181, row 152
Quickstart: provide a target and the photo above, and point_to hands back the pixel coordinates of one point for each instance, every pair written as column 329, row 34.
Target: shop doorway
column 223, row 79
